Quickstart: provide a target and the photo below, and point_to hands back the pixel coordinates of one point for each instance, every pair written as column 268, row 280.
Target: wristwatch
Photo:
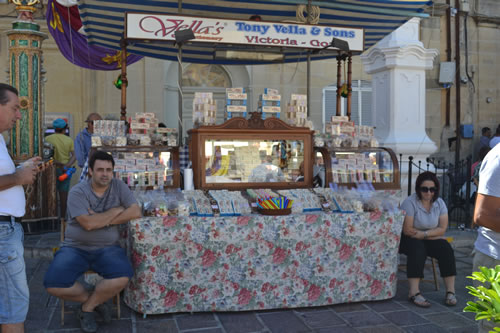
column 425, row 234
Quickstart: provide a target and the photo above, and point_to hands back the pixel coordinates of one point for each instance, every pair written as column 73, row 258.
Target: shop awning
column 103, row 21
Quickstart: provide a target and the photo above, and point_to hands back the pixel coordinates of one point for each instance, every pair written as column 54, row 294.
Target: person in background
column 83, row 143
column 95, row 209
column 424, row 225
column 496, row 139
column 266, row 171
column 487, row 217
column 64, row 158
column 14, row 292
column 484, row 140
column 477, row 165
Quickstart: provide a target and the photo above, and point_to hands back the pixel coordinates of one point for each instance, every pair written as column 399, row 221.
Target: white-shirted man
column 487, row 216
column 14, row 292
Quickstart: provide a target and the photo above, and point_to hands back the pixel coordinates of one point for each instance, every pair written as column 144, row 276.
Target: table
column 191, row 264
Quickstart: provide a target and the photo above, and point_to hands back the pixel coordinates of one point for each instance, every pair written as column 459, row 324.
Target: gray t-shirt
column 82, row 198
column 422, row 219
column 488, row 241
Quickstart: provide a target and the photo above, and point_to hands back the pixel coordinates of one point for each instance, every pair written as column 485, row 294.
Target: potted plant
column 487, row 305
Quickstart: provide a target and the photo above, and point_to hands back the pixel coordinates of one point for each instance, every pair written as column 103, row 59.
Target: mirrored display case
column 251, row 153
column 348, row 166
column 146, row 167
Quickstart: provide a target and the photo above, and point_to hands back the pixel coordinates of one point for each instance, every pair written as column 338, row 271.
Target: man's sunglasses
column 427, row 189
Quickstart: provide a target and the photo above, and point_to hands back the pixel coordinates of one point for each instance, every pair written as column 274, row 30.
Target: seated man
column 95, row 208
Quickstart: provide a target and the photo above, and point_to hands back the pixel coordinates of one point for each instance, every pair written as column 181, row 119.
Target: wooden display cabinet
column 349, row 166
column 251, row 153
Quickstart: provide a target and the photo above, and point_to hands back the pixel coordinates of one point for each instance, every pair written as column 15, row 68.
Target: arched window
column 205, row 76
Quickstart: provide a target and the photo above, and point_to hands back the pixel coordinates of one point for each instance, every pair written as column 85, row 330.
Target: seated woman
column 424, row 225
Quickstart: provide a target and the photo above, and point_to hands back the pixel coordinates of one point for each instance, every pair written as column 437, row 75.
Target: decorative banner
column 73, row 44
column 257, row 33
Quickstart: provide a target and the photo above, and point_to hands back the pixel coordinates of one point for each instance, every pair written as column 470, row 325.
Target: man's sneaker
column 104, row 310
column 87, row 321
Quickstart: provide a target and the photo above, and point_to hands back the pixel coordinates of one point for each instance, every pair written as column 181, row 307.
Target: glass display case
column 146, row 167
column 251, row 153
column 349, row 166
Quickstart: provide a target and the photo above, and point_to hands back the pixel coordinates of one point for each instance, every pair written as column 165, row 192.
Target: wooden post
column 123, row 112
column 349, row 84
column 339, row 76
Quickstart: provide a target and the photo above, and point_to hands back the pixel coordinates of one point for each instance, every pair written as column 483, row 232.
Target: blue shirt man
column 83, row 141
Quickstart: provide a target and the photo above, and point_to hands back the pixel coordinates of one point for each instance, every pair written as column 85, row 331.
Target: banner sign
column 257, row 33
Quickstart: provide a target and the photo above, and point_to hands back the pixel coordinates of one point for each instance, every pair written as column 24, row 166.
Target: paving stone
column 402, row 318
column 336, row 329
column 466, row 329
column 428, row 328
column 362, row 319
column 156, row 317
column 349, row 307
column 321, row 318
column 283, row 322
column 385, row 306
column 381, row 329
column 196, row 320
column 240, row 322
column 212, row 330
column 448, row 320
column 116, row 326
column 434, row 308
column 167, row 326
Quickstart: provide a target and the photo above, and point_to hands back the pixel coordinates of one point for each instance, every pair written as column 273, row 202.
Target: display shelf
column 146, row 167
column 350, row 166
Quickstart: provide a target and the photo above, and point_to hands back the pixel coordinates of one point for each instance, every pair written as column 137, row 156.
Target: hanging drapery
column 65, row 25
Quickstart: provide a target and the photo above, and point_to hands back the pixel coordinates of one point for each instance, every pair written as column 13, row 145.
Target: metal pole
column 308, row 83
column 123, row 111
column 457, row 84
column 410, row 162
column 179, row 94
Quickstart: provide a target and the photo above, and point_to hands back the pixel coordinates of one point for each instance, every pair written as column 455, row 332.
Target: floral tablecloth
column 261, row 262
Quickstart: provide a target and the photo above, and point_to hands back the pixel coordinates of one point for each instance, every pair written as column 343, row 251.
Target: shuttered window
column 361, row 99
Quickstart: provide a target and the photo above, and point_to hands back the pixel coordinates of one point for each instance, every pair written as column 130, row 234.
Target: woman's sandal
column 450, row 299
column 419, row 300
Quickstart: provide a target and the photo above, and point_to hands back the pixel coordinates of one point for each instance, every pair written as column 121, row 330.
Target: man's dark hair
column 101, row 156
column 485, row 129
column 4, row 99
column 427, row 175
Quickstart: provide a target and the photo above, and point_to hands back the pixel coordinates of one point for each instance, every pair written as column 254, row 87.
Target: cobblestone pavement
column 395, row 315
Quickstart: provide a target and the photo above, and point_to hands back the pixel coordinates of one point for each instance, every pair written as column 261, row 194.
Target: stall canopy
column 103, row 21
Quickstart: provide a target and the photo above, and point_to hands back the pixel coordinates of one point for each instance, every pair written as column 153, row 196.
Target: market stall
column 213, row 248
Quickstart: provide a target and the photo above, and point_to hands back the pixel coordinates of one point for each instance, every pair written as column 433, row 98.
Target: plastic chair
column 116, row 298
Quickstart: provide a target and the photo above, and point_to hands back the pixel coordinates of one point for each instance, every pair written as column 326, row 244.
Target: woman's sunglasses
column 427, row 189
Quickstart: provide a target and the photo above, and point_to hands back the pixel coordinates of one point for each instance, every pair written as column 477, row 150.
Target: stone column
column 397, row 65
column 26, row 138
column 25, row 62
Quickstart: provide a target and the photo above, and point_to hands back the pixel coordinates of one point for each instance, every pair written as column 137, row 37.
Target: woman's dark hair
column 101, row 156
column 427, row 175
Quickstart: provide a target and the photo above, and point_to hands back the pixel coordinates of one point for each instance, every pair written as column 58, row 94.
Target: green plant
column 487, row 305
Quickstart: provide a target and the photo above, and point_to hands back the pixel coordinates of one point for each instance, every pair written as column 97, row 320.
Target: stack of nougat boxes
column 204, row 109
column 296, row 111
column 236, row 103
column 270, row 103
